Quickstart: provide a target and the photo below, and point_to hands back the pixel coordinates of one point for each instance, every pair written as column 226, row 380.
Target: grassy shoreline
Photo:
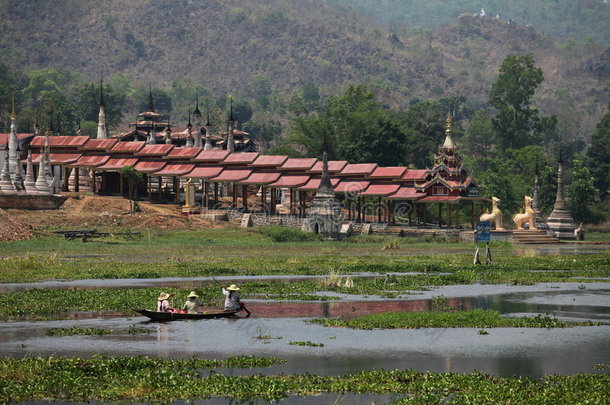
column 103, row 378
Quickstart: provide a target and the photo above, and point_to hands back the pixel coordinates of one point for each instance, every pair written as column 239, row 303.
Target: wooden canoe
column 171, row 316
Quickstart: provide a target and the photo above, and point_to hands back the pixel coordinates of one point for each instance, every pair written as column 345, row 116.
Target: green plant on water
column 475, row 318
column 77, row 331
column 307, row 343
column 135, row 330
column 482, row 332
column 144, row 379
column 582, row 287
column 392, row 243
column 264, row 335
column 287, row 234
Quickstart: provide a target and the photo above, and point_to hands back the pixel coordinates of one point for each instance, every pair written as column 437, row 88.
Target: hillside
column 221, row 45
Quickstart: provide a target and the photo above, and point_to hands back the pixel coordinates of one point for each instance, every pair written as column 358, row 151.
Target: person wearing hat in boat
column 191, row 304
column 163, row 303
column 232, row 300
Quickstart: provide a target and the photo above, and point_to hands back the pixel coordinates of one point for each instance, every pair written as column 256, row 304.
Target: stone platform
column 533, row 236
column 32, row 202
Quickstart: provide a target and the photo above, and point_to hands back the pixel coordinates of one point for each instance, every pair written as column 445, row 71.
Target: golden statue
column 495, row 216
column 529, row 216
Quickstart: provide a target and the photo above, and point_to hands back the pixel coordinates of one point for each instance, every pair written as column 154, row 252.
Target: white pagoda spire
column 6, row 185
column 208, row 140
column 42, row 184
column 13, row 143
column 230, row 139
column 30, row 181
column 102, row 133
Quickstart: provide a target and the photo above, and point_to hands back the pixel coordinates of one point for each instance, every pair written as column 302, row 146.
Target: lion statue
column 495, row 216
column 528, row 217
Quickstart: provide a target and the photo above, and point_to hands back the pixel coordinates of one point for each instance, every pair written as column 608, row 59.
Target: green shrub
column 286, row 234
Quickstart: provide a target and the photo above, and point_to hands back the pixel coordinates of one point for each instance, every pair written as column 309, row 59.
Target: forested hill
column 578, row 20
column 222, row 45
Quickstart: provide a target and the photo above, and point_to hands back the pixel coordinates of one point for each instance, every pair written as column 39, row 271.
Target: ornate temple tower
column 208, row 134
column 189, row 135
column 536, row 205
column 30, row 182
column 197, row 121
column 168, row 132
column 326, row 215
column 560, row 221
column 6, row 184
column 230, row 139
column 102, row 133
column 13, row 143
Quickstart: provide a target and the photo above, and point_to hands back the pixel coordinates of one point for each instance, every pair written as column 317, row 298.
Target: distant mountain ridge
column 220, row 45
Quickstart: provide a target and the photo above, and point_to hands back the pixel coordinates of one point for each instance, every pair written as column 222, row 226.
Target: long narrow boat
column 171, row 316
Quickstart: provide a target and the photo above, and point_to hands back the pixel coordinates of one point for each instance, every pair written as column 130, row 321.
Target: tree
column 480, row 135
column 598, row 154
column 517, row 121
column 133, row 177
column 582, row 194
column 87, row 99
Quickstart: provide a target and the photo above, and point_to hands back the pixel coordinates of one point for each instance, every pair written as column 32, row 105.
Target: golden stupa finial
column 13, row 113
column 449, row 125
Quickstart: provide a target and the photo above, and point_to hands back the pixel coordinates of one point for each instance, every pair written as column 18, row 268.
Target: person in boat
column 232, row 299
column 163, row 303
column 192, row 304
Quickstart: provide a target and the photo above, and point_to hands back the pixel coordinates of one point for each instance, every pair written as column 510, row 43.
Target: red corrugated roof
column 380, row 190
column 149, row 166
column 155, row 150
column 58, row 158
column 352, row 186
column 269, row 160
column 175, row 169
column 313, row 184
column 117, row 163
column 90, row 161
column 261, row 178
column 333, row 166
column 60, row 141
column 241, row 158
column 299, row 164
column 406, row 193
column 99, row 144
column 205, row 172
column 133, row 146
column 439, row 198
column 388, row 172
column 4, row 138
column 183, row 153
column 232, row 175
column 211, row 156
column 414, row 174
column 358, row 169
column 291, row 180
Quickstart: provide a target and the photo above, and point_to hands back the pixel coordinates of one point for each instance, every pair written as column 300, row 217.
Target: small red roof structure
column 243, row 158
column 228, row 175
column 117, row 163
column 414, row 174
column 4, row 138
column 175, row 169
column 380, row 190
column 99, row 144
column 211, row 156
column 183, row 153
column 149, row 166
column 358, row 169
column 58, row 158
column 90, row 161
column 155, row 150
column 352, row 186
column 269, row 161
column 128, row 147
column 299, row 164
column 394, row 172
column 406, row 193
column 291, row 180
column 204, row 172
column 261, row 178
column 334, row 166
column 60, row 141
column 313, row 184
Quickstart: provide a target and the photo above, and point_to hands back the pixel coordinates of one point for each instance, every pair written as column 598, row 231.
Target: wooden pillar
column 440, row 215
column 160, row 187
column 149, row 187
column 206, row 192
column 457, row 216
column 244, row 197
column 234, row 195
column 121, row 186
column 272, row 208
column 291, row 201
column 216, row 193
column 94, row 182
column 77, row 179
column 263, row 198
column 349, row 209
column 64, row 172
column 448, row 215
column 425, row 209
column 176, row 189
column 472, row 221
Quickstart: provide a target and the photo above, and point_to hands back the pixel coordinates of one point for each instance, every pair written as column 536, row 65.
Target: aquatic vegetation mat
column 102, row 378
column 474, row 318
